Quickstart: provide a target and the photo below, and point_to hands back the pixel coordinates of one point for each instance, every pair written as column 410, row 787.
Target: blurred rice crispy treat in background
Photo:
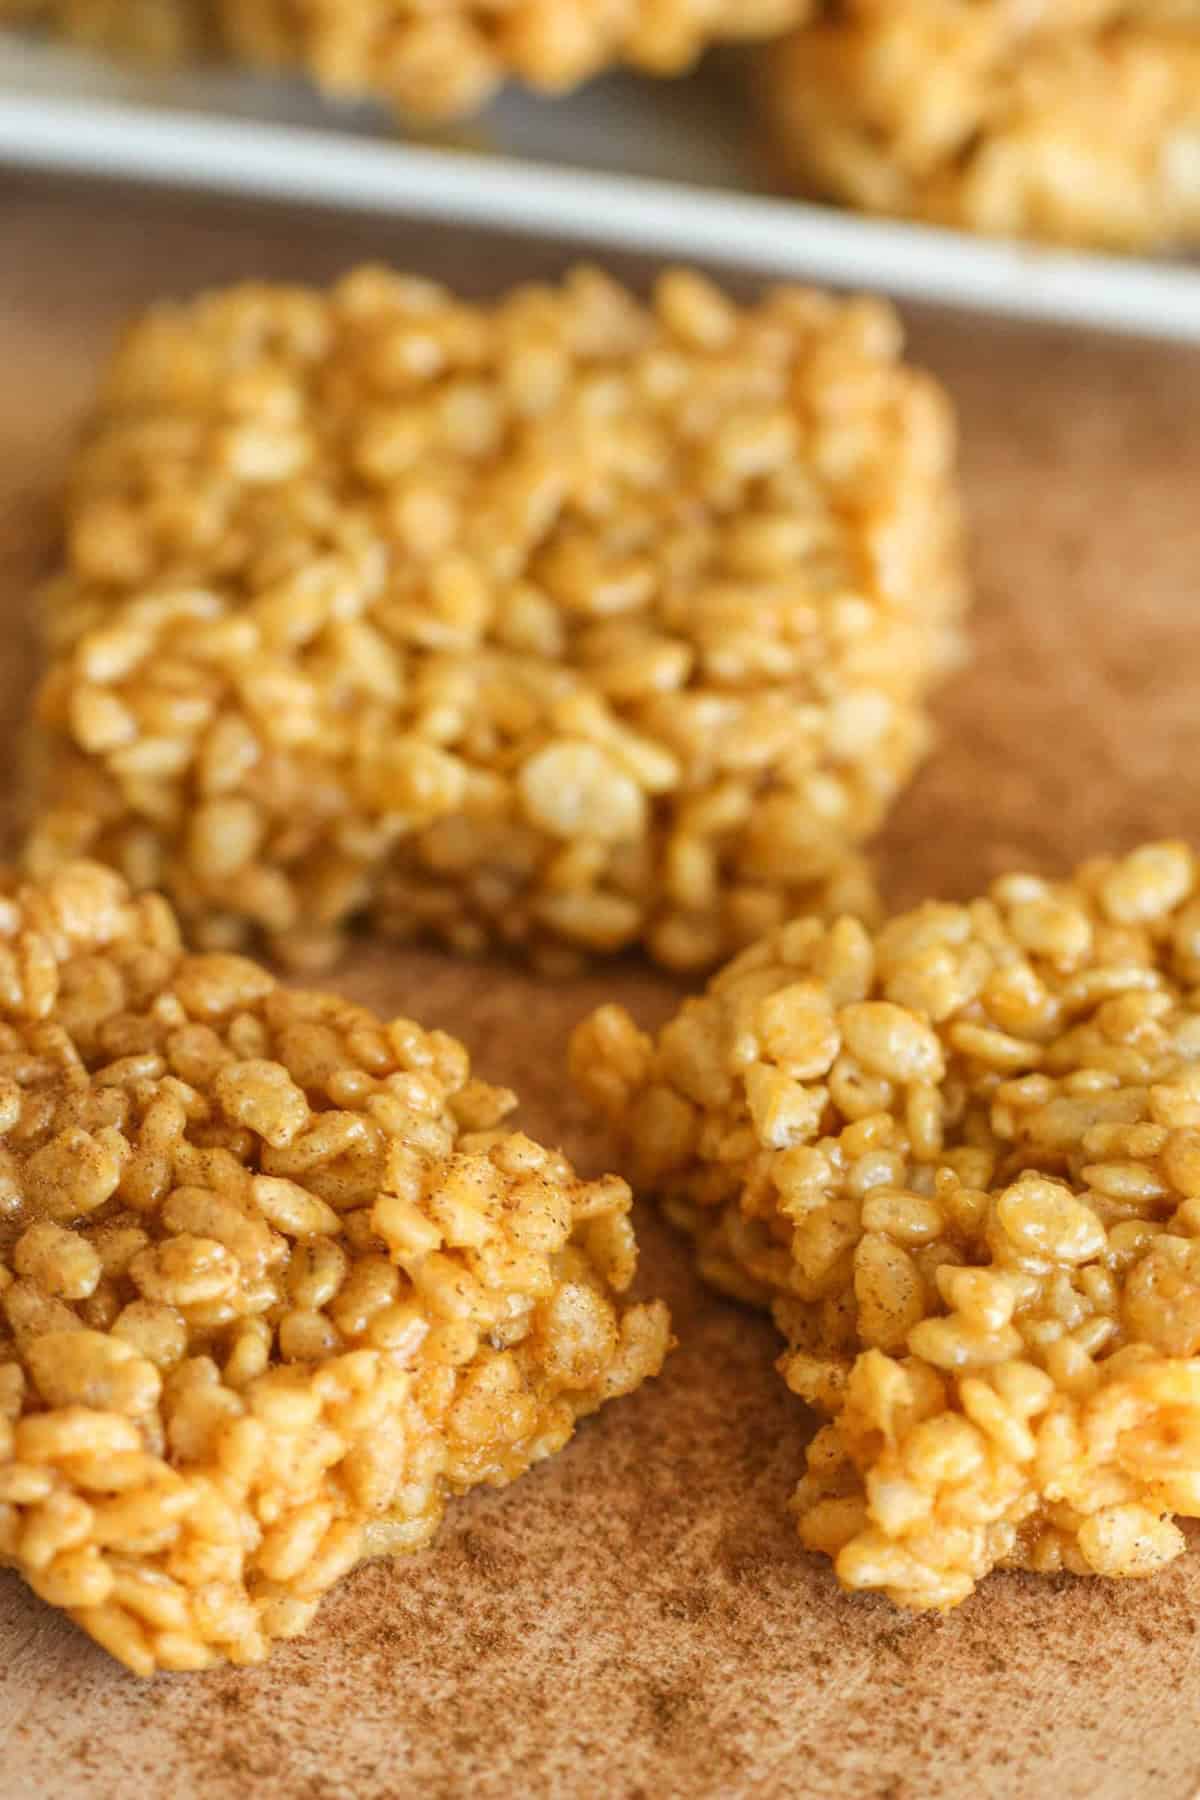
column 1069, row 120
column 960, row 1159
column 275, row 1282
column 154, row 31
column 438, row 60
column 447, row 60
column 567, row 622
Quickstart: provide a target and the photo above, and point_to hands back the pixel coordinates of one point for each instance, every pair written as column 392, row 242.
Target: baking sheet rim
column 770, row 237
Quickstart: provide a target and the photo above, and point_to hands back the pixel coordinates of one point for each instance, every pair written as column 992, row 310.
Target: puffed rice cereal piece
column 1077, row 122
column 565, row 623
column 432, row 61
column 275, row 1282
column 959, row 1158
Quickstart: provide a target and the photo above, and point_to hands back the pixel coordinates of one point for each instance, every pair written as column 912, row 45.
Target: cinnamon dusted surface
column 637, row 1618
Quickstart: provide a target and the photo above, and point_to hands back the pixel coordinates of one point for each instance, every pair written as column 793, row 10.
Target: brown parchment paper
column 636, row 1618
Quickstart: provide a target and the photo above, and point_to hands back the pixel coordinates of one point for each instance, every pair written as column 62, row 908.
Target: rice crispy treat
column 275, row 1281
column 1077, row 121
column 427, row 60
column 153, row 31
column 959, row 1158
column 447, row 60
column 564, row 623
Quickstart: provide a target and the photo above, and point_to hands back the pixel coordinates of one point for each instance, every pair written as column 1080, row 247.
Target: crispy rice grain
column 275, row 1282
column 1078, row 121
column 436, row 60
column 960, row 1160
column 564, row 622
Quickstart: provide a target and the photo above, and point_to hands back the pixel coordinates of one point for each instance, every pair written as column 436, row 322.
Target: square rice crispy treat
column 438, row 60
column 275, row 1282
column 1077, row 122
column 960, row 1159
column 566, row 622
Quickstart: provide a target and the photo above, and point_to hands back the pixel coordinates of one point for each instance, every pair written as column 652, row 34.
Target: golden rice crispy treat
column 960, row 1159
column 447, row 60
column 568, row 621
column 155, row 31
column 275, row 1282
column 1075, row 122
column 438, row 60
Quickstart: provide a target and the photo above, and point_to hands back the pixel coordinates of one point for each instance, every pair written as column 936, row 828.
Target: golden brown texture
column 960, row 1159
column 569, row 623
column 1078, row 123
column 447, row 60
column 154, row 31
column 274, row 1282
column 426, row 60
